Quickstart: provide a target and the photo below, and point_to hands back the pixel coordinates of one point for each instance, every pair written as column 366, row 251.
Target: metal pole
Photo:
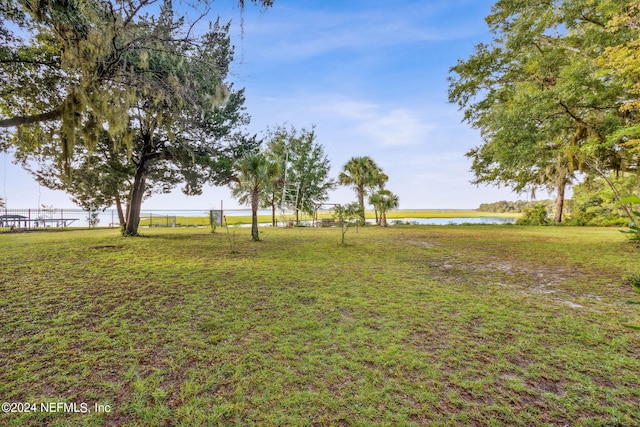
column 284, row 184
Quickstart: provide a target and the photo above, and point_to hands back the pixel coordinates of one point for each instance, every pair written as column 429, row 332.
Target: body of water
column 109, row 217
column 455, row 221
column 417, row 221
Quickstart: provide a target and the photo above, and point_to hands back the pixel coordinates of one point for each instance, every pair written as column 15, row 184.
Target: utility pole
column 284, row 184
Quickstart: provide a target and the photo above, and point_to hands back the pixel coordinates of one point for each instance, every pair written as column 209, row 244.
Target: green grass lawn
column 405, row 326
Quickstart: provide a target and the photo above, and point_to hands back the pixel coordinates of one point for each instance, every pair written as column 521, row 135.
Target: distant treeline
column 518, row 206
column 594, row 202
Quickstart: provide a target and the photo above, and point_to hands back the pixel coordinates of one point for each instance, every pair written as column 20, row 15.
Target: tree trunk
column 344, row 230
column 135, row 204
column 562, row 184
column 255, row 199
column 119, row 209
column 274, row 222
column 383, row 219
column 361, row 202
column 273, row 212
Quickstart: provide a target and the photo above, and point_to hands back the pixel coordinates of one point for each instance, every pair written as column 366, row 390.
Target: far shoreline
column 370, row 215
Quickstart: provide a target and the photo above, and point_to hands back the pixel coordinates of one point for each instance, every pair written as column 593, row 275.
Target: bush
column 610, row 221
column 536, row 215
column 400, row 222
column 634, row 215
column 594, row 202
column 634, row 282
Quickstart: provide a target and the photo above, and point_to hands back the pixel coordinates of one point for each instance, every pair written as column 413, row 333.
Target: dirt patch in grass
column 107, row 247
column 420, row 243
column 529, row 278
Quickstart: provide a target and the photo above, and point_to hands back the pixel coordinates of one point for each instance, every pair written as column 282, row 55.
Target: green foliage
column 93, row 219
column 255, row 173
column 634, row 282
column 348, row 215
column 596, row 202
column 518, row 206
column 539, row 95
column 183, row 129
column 622, row 59
column 634, row 225
column 536, row 215
column 363, row 174
column 80, row 70
column 99, row 177
column 384, row 201
column 305, row 165
column 400, row 222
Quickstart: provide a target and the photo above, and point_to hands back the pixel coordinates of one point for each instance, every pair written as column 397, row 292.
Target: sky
column 370, row 75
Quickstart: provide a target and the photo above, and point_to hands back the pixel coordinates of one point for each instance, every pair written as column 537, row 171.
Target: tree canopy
column 304, row 170
column 73, row 67
column 255, row 172
column 362, row 173
column 179, row 122
column 384, row 200
column 549, row 93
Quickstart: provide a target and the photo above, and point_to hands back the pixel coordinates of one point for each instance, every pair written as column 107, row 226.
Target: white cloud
column 397, row 127
column 381, row 125
column 312, row 32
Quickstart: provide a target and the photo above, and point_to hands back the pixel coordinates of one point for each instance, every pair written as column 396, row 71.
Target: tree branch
column 54, row 114
column 591, row 20
column 574, row 117
column 25, row 61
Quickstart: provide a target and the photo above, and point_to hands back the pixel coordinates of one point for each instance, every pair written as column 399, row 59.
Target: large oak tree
column 540, row 96
column 180, row 124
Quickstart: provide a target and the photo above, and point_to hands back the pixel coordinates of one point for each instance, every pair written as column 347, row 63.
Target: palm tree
column 255, row 173
column 384, row 200
column 361, row 173
column 376, row 185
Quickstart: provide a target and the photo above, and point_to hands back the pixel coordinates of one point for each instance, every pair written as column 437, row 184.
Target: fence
column 38, row 218
column 73, row 218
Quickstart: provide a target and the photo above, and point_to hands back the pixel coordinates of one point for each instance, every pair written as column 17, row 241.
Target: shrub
column 634, row 281
column 596, row 200
column 536, row 215
column 634, row 216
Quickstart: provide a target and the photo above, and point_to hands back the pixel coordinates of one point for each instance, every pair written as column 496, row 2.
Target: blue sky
column 369, row 74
